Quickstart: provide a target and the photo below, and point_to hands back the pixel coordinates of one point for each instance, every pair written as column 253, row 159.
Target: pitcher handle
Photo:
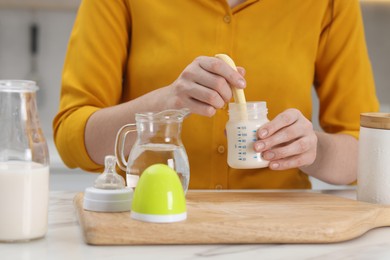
column 120, row 144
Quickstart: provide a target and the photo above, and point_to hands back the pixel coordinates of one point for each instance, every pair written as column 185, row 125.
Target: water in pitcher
column 152, row 153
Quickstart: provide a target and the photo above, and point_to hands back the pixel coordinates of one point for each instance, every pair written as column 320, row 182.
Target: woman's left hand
column 288, row 141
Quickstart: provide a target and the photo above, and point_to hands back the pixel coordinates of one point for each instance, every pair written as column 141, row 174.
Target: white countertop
column 64, row 241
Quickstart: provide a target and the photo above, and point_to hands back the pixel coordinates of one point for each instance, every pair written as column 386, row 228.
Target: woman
column 130, row 56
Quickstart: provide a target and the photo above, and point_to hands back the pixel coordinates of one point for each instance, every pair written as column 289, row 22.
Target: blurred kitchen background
column 52, row 21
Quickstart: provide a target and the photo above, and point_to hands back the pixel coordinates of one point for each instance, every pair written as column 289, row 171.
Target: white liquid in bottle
column 241, row 135
column 24, row 194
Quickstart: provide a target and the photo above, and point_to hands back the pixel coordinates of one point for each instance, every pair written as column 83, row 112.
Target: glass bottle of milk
column 244, row 120
column 24, row 164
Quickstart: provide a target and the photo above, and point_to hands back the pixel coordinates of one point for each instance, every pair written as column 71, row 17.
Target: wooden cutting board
column 241, row 217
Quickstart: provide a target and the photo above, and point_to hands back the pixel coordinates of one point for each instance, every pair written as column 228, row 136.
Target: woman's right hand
column 204, row 86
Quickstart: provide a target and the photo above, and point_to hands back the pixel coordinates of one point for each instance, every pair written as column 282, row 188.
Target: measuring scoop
column 238, row 94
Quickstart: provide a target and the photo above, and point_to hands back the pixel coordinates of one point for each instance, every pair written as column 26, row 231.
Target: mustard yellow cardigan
column 122, row 49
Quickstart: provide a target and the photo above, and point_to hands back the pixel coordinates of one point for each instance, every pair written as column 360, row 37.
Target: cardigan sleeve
column 343, row 76
column 92, row 75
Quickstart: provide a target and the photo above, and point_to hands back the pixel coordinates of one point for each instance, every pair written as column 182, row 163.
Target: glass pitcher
column 24, row 164
column 158, row 141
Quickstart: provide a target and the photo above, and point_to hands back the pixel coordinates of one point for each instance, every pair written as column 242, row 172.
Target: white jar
column 241, row 132
column 374, row 158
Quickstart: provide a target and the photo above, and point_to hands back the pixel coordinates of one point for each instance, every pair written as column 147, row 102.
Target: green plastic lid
column 159, row 196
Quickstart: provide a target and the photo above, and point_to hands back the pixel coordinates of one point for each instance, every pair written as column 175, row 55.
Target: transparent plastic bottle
column 241, row 134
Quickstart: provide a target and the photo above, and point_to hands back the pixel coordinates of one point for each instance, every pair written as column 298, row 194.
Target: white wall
column 54, row 31
column 377, row 27
column 55, row 27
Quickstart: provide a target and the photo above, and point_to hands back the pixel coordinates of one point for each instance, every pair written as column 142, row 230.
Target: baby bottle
column 241, row 129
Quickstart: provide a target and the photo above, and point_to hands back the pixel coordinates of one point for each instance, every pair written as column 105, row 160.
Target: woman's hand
column 204, row 86
column 288, row 141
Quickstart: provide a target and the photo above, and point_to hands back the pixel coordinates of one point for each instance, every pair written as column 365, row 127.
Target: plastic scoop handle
column 238, row 94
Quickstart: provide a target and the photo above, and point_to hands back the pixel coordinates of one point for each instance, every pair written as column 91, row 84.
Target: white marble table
column 64, row 241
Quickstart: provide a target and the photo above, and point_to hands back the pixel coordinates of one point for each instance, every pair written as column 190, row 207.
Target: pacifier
column 109, row 193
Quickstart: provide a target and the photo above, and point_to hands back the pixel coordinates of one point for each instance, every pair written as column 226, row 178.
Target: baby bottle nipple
column 238, row 94
column 110, row 179
column 109, row 193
